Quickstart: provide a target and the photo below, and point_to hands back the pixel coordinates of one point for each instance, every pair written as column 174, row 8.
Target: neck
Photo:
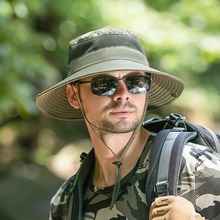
column 109, row 149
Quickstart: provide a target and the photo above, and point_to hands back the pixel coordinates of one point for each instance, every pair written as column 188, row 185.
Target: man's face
column 119, row 112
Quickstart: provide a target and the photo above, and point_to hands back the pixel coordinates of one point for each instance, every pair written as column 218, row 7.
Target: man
column 110, row 85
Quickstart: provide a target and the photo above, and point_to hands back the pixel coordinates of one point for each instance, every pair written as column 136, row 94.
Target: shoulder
column 199, row 160
column 64, row 191
column 59, row 202
column 62, row 200
column 200, row 170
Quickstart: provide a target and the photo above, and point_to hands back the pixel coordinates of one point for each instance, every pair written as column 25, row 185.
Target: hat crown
column 101, row 39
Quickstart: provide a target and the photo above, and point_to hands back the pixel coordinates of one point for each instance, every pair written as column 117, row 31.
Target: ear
column 71, row 95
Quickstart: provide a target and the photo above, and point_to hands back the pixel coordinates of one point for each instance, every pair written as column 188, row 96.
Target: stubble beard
column 120, row 127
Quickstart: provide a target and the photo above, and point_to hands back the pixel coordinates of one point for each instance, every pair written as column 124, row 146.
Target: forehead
column 117, row 73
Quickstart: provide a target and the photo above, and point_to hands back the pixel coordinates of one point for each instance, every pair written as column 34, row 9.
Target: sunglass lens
column 138, row 84
column 104, row 86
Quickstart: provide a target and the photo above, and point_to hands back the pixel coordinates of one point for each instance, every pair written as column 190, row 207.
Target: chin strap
column 118, row 163
column 117, row 182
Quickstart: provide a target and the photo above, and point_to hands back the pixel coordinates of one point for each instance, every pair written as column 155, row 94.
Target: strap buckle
column 161, row 188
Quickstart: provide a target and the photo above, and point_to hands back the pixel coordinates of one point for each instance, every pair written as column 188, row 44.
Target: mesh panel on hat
column 112, row 40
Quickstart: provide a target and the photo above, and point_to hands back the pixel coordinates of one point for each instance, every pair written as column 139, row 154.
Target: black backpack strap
column 162, row 188
column 165, row 163
column 153, row 165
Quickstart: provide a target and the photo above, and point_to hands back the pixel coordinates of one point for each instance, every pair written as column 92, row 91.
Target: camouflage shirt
column 199, row 182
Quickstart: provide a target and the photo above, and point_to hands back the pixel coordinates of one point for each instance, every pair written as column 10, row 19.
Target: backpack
column 173, row 133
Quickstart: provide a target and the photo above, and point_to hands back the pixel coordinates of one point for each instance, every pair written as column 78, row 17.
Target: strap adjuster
column 161, row 188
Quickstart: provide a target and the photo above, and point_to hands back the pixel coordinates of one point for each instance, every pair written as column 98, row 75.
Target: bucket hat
column 105, row 50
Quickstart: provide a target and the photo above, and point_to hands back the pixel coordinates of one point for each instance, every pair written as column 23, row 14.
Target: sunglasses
column 106, row 85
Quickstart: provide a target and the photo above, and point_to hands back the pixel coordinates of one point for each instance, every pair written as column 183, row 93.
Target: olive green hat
column 104, row 50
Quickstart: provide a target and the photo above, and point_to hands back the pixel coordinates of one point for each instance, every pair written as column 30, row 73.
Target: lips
column 122, row 112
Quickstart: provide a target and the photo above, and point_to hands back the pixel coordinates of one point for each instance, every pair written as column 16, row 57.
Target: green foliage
column 34, row 38
column 21, row 57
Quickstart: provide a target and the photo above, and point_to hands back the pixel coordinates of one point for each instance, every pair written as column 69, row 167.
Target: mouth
column 122, row 112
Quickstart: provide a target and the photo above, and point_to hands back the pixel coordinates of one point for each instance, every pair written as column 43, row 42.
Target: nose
column 121, row 93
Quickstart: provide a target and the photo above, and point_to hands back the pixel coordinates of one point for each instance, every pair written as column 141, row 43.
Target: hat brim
column 54, row 103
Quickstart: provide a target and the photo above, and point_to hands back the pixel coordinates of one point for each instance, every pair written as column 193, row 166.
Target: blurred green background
column 38, row 153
